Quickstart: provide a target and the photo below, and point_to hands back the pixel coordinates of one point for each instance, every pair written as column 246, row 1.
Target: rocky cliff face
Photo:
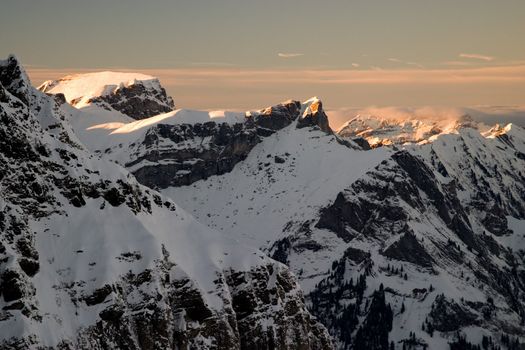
column 218, row 147
column 137, row 101
column 314, row 115
column 90, row 259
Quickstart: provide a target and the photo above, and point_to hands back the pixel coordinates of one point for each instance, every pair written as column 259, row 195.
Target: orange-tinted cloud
column 476, row 56
column 192, row 76
column 228, row 87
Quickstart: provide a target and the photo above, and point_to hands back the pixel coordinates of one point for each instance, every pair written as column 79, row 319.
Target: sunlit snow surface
column 180, row 116
column 80, row 88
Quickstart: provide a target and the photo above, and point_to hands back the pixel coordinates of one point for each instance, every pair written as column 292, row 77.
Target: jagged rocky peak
column 309, row 113
column 506, row 132
column 138, row 96
column 314, row 115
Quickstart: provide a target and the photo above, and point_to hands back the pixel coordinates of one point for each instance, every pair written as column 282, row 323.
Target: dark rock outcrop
column 447, row 315
column 137, row 101
column 315, row 116
column 254, row 305
column 407, row 248
column 227, row 146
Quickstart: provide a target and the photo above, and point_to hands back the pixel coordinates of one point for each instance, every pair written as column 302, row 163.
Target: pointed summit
column 314, row 115
column 14, row 78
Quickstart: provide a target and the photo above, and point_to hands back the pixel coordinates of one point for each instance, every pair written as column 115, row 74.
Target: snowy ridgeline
column 416, row 243
column 386, row 130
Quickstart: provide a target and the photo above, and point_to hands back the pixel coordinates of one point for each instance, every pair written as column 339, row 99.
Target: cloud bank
column 245, row 88
column 236, row 76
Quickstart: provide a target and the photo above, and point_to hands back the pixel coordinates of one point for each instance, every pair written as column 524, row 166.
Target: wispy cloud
column 409, row 63
column 289, row 54
column 476, row 56
column 394, row 60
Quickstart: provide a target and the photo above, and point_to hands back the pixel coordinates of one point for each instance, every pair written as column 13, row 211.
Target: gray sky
column 248, row 53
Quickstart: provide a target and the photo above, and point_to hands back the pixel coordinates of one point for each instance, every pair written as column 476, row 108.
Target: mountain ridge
column 379, row 131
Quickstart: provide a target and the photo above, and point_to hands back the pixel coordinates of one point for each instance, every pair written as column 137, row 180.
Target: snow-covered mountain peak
column 312, row 114
column 312, row 105
column 136, row 95
column 312, row 100
column 79, row 89
column 498, row 130
column 512, row 134
column 381, row 130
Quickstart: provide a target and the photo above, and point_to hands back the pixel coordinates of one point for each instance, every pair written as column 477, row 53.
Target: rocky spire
column 314, row 115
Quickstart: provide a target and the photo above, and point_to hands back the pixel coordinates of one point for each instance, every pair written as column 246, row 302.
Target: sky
column 245, row 54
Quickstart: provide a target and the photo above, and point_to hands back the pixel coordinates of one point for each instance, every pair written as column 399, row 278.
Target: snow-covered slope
column 379, row 131
column 286, row 177
column 136, row 95
column 90, row 259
